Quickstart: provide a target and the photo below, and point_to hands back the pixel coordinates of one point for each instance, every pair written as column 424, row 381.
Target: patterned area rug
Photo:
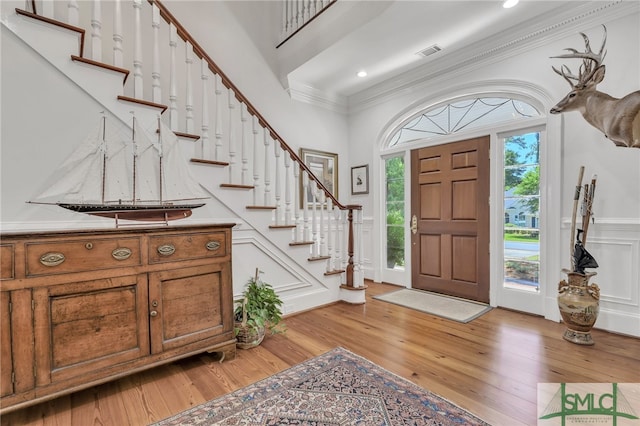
column 449, row 307
column 336, row 388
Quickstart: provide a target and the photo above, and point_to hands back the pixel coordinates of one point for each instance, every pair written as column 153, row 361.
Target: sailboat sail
column 129, row 177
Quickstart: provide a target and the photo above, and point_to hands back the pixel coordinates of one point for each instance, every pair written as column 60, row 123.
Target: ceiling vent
column 430, row 50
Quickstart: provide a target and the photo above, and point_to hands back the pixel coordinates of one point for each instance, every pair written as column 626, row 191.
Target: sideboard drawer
column 171, row 248
column 80, row 255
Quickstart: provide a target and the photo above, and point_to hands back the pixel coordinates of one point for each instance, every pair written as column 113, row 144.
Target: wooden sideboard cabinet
column 79, row 308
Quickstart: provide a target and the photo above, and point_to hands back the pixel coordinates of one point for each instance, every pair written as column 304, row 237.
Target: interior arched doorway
column 515, row 124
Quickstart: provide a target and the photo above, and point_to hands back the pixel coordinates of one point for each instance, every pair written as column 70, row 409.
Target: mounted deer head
column 618, row 119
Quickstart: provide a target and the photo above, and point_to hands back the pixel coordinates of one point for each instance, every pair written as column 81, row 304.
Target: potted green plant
column 258, row 310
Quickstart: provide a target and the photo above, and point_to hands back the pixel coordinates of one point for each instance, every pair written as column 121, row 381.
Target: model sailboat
column 131, row 179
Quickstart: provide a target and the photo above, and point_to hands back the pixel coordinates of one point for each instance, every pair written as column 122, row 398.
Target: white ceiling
column 386, row 43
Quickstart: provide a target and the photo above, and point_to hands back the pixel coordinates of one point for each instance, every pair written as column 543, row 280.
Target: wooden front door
column 450, row 219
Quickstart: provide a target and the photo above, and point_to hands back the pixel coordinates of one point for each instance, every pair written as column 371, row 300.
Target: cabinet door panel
column 6, row 361
column 188, row 304
column 91, row 325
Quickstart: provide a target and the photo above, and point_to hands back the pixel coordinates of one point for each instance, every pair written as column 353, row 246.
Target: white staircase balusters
column 267, row 170
column 332, row 230
column 245, row 150
column 188, row 60
column 297, row 232
column 218, row 119
column 288, row 176
column 322, row 247
column 314, row 220
column 256, row 157
column 138, row 88
column 232, row 135
column 340, row 243
column 156, row 91
column 73, row 11
column 173, row 89
column 306, row 235
column 204, row 150
column 96, row 31
column 47, row 9
column 117, row 34
column 277, row 151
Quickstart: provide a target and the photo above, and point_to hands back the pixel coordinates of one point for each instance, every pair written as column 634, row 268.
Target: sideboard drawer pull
column 52, row 259
column 166, row 249
column 121, row 253
column 213, row 245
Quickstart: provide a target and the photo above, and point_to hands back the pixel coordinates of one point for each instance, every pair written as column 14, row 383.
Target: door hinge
column 13, row 377
column 10, row 307
column 33, row 305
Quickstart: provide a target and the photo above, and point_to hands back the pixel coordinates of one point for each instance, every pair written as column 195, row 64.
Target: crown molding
column 553, row 26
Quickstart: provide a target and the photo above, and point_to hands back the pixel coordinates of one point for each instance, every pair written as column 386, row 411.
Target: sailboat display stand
column 127, row 178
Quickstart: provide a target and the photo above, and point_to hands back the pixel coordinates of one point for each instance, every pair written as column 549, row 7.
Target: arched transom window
column 462, row 115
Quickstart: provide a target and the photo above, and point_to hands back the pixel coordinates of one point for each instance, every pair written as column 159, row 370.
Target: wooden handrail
column 200, row 52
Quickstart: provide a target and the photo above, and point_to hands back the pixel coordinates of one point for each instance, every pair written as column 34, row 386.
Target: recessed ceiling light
column 362, row 73
column 509, row 3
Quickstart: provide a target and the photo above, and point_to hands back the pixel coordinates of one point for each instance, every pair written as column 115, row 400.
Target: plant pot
column 579, row 304
column 248, row 337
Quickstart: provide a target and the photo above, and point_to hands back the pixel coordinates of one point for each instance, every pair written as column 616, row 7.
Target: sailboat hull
column 146, row 213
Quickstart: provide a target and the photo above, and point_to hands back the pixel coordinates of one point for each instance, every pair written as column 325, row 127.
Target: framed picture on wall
column 360, row 180
column 324, row 165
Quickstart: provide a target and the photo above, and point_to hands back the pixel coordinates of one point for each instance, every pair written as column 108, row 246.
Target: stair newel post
column 73, row 13
column 322, row 248
column 204, row 150
column 350, row 243
column 243, row 135
column 232, row 135
column 267, row 170
column 117, row 34
column 277, row 150
column 96, row 31
column 297, row 231
column 218, row 118
column 173, row 84
column 188, row 61
column 155, row 72
column 138, row 88
column 287, row 189
column 256, row 157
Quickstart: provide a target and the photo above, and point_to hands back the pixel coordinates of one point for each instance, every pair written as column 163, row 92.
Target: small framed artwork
column 324, row 165
column 360, row 180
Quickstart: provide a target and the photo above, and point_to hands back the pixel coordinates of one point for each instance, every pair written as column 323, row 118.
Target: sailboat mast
column 135, row 156
column 104, row 156
column 160, row 158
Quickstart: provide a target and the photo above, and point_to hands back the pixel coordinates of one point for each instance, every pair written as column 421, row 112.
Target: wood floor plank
column 490, row 366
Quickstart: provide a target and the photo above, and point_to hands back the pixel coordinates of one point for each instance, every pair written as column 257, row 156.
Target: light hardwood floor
column 490, row 366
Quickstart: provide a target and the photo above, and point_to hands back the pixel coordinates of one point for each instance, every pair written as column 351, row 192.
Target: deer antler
column 591, row 61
